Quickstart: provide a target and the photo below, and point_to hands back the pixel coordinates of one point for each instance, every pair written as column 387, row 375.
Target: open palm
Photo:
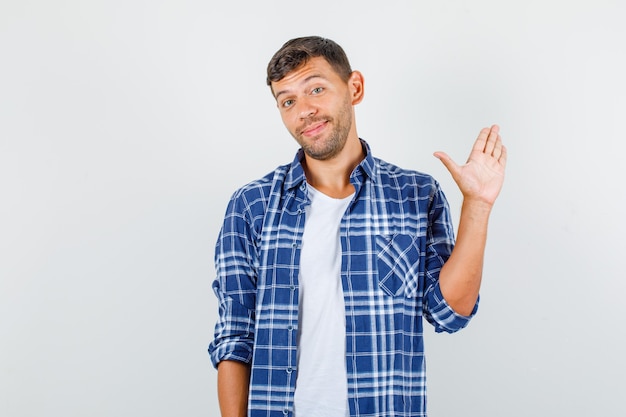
column 482, row 176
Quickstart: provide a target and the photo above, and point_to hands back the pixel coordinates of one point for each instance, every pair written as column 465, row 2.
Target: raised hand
column 482, row 176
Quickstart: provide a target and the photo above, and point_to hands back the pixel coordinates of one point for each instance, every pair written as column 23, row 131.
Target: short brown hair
column 297, row 52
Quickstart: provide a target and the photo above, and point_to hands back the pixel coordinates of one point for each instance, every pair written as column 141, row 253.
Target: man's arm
column 231, row 349
column 233, row 380
column 480, row 180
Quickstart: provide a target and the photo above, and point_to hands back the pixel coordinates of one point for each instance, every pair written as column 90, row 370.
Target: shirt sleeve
column 440, row 244
column 442, row 316
column 235, row 285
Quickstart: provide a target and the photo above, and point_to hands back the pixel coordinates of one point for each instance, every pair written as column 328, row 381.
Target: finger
column 492, row 139
column 447, row 162
column 503, row 156
column 481, row 140
column 497, row 150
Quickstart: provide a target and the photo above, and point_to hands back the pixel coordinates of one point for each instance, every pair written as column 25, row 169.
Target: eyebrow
column 306, row 80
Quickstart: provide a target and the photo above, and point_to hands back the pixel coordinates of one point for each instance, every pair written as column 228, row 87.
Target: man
column 326, row 266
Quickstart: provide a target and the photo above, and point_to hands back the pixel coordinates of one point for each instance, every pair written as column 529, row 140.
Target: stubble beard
column 323, row 150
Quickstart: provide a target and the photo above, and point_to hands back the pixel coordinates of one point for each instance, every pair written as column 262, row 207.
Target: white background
column 126, row 125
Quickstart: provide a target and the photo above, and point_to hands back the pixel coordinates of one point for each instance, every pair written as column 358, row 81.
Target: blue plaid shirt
column 395, row 236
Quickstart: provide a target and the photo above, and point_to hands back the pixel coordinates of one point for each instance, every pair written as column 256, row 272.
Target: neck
column 332, row 177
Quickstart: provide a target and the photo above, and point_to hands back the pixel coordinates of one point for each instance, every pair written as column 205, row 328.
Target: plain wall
column 126, row 125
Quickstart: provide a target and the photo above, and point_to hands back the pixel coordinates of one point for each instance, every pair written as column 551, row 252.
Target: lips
column 314, row 128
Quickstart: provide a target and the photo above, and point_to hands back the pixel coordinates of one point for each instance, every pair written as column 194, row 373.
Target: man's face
column 316, row 107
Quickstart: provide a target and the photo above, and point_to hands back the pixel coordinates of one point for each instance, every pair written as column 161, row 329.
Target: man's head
column 297, row 52
column 315, row 91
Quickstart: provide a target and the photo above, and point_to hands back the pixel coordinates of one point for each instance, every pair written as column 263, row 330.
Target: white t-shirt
column 321, row 385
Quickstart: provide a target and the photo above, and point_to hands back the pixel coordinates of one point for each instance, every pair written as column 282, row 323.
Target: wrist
column 477, row 206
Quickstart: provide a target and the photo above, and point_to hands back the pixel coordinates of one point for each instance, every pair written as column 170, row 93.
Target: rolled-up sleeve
column 235, row 285
column 441, row 241
column 443, row 317
column 234, row 330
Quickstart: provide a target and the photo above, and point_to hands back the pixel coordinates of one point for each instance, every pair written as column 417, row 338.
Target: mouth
column 314, row 128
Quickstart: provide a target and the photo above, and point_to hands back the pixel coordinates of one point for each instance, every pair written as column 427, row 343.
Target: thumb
column 447, row 162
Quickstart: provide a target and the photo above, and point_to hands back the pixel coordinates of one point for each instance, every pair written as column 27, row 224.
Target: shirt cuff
column 444, row 318
column 229, row 351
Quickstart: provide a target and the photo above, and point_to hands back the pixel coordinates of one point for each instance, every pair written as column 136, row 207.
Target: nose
column 306, row 109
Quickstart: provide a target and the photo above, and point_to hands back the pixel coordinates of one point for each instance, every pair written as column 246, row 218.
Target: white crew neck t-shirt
column 321, row 384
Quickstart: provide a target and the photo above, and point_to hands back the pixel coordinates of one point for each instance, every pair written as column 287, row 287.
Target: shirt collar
column 366, row 168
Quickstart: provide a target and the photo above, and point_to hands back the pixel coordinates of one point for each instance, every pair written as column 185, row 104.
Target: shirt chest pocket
column 399, row 264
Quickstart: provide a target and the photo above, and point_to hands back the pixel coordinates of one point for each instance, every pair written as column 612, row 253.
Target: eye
column 287, row 103
column 317, row 90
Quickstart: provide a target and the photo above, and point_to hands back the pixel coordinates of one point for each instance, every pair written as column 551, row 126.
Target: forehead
column 314, row 68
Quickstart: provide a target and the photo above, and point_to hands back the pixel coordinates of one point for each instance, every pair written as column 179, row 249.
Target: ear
column 356, row 84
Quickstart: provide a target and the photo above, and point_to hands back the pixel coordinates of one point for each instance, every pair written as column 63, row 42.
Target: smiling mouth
column 314, row 128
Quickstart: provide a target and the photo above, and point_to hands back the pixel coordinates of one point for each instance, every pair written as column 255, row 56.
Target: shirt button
column 286, row 412
column 289, row 370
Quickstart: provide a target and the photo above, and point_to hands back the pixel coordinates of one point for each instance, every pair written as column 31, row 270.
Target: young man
column 327, row 265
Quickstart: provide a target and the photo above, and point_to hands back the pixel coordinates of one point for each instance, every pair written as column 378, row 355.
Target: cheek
column 288, row 121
